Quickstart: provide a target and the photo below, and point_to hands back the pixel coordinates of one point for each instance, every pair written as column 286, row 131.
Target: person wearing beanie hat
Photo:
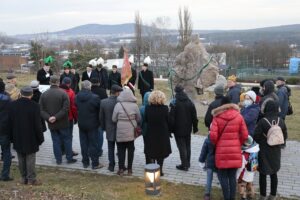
column 73, row 115
column 67, row 73
column 4, row 135
column 283, row 93
column 101, row 74
column 114, row 77
column 250, row 111
column 219, row 93
column 183, row 121
column 146, row 78
column 43, row 74
column 245, row 174
column 234, row 89
column 25, row 128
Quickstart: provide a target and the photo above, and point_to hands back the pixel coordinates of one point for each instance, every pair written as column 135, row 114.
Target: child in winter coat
column 245, row 174
column 207, row 156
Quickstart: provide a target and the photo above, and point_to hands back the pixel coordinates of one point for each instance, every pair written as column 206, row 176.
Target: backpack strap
column 267, row 121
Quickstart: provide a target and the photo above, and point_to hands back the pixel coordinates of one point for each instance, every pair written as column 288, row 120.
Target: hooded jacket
column 72, row 110
column 250, row 115
column 234, row 94
column 269, row 157
column 183, row 115
column 125, row 129
column 88, row 107
column 283, row 99
column 142, row 111
column 207, row 154
column 228, row 132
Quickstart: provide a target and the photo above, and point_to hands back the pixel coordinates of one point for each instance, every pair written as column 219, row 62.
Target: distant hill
column 289, row 33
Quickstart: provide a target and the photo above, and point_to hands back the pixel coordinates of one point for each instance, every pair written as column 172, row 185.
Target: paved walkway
column 289, row 175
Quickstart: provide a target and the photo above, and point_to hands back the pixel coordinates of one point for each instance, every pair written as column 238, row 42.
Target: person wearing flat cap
column 25, row 128
column 234, row 89
column 106, row 110
column 43, row 75
column 219, row 93
column 67, row 73
column 146, row 79
column 10, row 87
column 183, row 121
column 283, row 93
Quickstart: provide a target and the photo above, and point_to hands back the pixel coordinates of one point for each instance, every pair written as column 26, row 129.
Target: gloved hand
column 75, row 121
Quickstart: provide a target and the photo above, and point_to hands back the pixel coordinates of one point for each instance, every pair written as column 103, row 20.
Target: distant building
column 8, row 62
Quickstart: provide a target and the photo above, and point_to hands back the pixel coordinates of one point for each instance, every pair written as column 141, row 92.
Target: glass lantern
column 152, row 179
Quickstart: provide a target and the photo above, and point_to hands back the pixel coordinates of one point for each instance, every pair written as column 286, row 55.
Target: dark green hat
column 67, row 64
column 48, row 60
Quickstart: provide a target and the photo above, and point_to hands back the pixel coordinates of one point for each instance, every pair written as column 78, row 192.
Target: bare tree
column 138, row 36
column 185, row 28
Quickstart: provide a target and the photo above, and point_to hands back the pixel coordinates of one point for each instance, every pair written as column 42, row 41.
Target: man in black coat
column 219, row 92
column 101, row 93
column 106, row 110
column 102, row 75
column 4, row 136
column 77, row 80
column 146, row 80
column 114, row 77
column 25, row 128
column 67, row 73
column 43, row 75
column 88, row 106
column 183, row 117
column 86, row 75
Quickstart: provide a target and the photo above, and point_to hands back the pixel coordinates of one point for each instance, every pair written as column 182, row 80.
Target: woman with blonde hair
column 157, row 139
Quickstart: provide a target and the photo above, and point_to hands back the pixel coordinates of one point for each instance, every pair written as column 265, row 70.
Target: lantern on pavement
column 152, row 179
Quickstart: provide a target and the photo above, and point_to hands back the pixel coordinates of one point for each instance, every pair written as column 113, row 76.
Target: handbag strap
column 224, row 128
column 127, row 115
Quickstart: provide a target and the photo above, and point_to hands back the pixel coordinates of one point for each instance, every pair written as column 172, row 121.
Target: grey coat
column 55, row 102
column 125, row 130
column 106, row 111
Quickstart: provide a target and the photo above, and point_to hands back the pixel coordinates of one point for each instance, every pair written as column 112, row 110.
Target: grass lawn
column 59, row 184
column 291, row 121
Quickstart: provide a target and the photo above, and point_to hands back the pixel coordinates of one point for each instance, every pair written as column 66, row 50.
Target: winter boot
column 262, row 197
column 271, row 197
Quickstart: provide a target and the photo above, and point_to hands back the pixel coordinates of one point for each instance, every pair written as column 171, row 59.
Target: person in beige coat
column 127, row 116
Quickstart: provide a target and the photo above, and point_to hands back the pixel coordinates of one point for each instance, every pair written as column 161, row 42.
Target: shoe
column 98, row 166
column 34, row 183
column 120, row 172
column 75, row 153
column 58, row 162
column 111, row 168
column 129, row 172
column 162, row 174
column 271, row 197
column 207, row 197
column 262, row 198
column 6, row 179
column 180, row 167
column 86, row 165
column 24, row 181
column 72, row 161
column 12, row 157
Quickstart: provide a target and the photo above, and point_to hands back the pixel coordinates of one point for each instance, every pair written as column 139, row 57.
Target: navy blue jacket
column 234, row 94
column 207, row 154
column 282, row 94
column 250, row 115
column 4, row 101
column 88, row 107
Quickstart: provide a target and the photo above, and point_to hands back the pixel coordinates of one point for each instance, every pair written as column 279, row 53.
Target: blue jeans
column 89, row 144
column 111, row 153
column 59, row 137
column 209, row 179
column 100, row 133
column 228, row 182
column 6, row 154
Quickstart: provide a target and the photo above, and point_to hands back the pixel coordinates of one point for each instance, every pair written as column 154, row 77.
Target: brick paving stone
column 289, row 176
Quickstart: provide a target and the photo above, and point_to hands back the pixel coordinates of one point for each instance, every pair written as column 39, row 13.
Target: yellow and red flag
column 126, row 70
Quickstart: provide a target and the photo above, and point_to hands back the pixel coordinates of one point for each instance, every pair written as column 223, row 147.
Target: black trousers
column 122, row 147
column 263, row 184
column 184, row 147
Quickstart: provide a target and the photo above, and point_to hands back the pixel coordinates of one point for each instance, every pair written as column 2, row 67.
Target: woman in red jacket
column 228, row 132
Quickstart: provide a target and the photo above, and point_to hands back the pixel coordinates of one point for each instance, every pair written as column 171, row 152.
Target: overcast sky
column 33, row 16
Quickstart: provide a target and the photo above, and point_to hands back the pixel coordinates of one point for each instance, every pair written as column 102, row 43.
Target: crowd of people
column 238, row 143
